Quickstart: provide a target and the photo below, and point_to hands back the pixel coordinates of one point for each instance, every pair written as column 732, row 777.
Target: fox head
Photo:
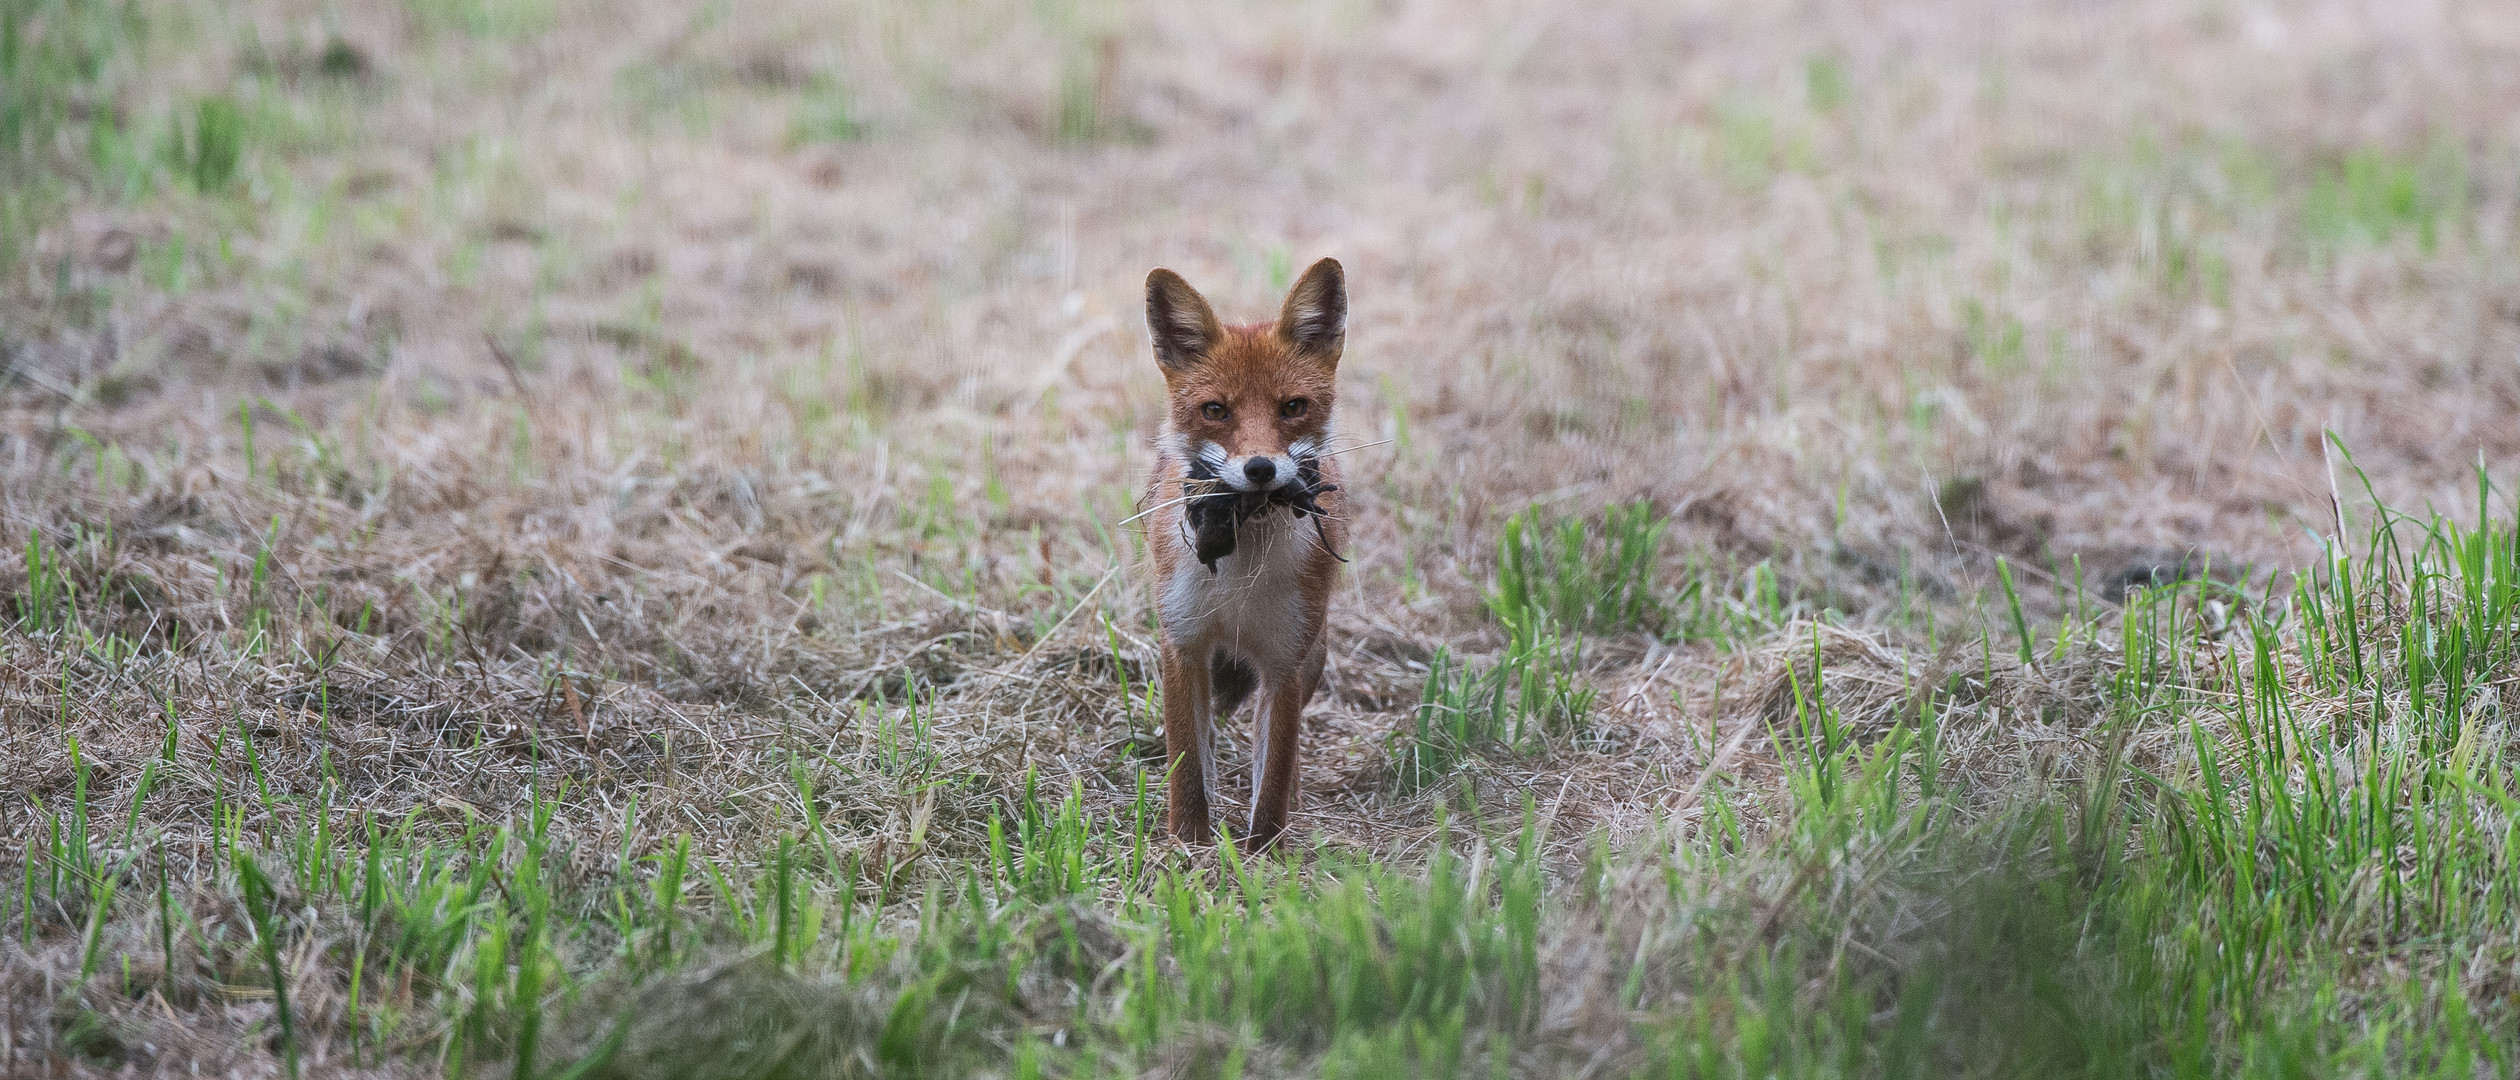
column 1250, row 404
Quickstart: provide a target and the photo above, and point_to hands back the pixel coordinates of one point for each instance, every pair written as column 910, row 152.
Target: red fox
column 1246, row 535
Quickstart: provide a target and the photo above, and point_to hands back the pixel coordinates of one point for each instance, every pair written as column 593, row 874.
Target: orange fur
column 1257, row 615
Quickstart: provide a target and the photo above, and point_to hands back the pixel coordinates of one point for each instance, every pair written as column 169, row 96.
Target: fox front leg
column 1185, row 721
column 1281, row 719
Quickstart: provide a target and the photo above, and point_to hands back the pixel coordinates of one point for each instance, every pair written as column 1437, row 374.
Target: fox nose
column 1261, row 470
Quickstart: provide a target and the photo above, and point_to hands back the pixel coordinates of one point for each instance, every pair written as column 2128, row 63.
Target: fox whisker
column 1167, row 504
column 1359, row 446
column 1170, row 503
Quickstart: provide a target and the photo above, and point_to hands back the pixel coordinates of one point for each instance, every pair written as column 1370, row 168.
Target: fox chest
column 1252, row 603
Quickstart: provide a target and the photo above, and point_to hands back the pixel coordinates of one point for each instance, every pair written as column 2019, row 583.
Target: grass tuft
column 216, row 144
column 1573, row 573
column 2373, row 196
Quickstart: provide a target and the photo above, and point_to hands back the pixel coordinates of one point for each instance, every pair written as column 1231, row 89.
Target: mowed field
column 568, row 539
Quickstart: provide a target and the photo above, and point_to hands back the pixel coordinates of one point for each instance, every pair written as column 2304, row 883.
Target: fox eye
column 1214, row 410
column 1293, row 408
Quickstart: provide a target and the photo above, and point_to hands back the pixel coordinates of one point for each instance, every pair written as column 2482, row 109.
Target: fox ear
column 1180, row 320
column 1314, row 320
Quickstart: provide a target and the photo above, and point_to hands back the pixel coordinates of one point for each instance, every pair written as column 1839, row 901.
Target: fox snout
column 1298, row 465
column 1258, row 472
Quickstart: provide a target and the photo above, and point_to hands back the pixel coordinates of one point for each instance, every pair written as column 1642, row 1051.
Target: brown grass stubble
column 1561, row 275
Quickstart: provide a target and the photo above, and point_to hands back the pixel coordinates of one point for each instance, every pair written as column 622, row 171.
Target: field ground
column 569, row 539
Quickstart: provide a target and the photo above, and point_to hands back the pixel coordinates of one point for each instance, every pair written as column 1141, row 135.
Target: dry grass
column 653, row 398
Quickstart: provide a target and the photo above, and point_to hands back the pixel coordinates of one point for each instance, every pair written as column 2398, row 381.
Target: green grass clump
column 216, row 145
column 75, row 593
column 1553, row 581
column 1571, row 574
column 53, row 54
column 1825, row 83
column 55, row 57
column 495, row 19
column 1565, row 572
column 825, row 113
column 1729, row 607
column 1533, row 694
column 1460, row 711
column 2372, row 197
column 2328, row 822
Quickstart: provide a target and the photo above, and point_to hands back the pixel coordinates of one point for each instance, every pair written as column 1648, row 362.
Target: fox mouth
column 1215, row 506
